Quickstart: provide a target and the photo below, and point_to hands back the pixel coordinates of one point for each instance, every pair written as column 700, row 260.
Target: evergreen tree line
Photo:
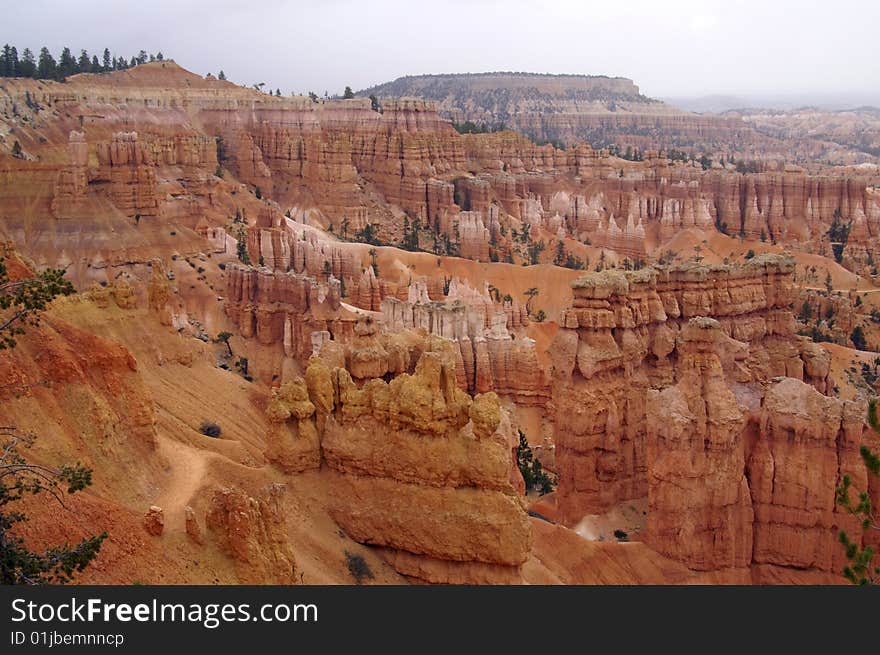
column 46, row 67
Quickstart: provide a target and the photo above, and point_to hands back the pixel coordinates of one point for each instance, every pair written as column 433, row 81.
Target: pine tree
column 806, row 312
column 85, row 62
column 858, row 338
column 14, row 66
column 559, row 260
column 20, row 478
column 46, row 67
column 838, row 234
column 348, row 94
column 221, row 76
column 6, row 67
column 27, row 298
column 106, row 62
column 66, row 64
column 530, row 468
column 160, row 56
column 96, row 67
column 241, row 246
column 27, row 67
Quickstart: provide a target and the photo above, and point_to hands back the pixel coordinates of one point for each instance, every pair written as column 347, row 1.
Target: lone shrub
column 210, row 429
column 358, row 567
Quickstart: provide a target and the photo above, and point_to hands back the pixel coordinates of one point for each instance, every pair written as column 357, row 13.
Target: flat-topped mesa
column 620, row 339
column 567, row 108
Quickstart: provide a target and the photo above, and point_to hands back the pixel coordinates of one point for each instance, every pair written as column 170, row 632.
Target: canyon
column 375, row 311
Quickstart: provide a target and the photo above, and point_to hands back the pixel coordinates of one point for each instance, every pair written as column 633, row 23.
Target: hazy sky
column 669, row 48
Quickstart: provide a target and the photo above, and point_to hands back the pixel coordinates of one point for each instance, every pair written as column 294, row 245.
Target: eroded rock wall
column 688, row 386
column 419, row 467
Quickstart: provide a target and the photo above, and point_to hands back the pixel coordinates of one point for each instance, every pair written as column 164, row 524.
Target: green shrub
column 358, row 567
column 210, row 429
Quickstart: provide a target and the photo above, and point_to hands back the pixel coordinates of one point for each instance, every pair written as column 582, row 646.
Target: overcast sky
column 669, row 48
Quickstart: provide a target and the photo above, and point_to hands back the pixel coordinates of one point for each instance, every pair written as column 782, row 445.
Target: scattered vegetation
column 411, row 229
column 861, row 569
column 630, row 154
column 872, row 415
column 469, row 127
column 368, row 234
